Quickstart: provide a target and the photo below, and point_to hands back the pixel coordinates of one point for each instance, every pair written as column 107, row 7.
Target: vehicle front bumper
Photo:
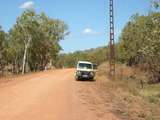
column 85, row 74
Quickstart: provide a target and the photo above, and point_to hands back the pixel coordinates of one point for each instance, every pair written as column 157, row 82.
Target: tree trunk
column 25, row 55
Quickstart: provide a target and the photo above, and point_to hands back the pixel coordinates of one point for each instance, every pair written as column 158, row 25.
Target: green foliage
column 97, row 56
column 140, row 43
column 33, row 42
column 156, row 3
column 2, row 48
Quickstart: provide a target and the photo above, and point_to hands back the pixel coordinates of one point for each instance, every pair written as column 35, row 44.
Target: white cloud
column 27, row 5
column 90, row 31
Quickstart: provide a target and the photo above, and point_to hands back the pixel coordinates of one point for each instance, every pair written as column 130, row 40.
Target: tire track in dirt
column 91, row 102
column 52, row 95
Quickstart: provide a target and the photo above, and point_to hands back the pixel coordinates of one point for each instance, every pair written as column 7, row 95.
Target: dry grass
column 129, row 101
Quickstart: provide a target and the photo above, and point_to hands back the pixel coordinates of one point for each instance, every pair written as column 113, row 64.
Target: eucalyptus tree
column 35, row 40
column 22, row 33
column 2, row 47
column 50, row 32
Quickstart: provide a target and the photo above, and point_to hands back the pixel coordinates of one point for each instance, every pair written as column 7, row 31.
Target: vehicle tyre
column 92, row 79
column 77, row 78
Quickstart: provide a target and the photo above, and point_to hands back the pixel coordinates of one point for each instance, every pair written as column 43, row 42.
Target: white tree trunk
column 25, row 55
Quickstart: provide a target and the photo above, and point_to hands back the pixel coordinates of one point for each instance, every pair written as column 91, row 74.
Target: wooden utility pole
column 111, row 43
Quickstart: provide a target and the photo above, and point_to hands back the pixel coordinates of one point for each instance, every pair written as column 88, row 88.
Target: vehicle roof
column 84, row 62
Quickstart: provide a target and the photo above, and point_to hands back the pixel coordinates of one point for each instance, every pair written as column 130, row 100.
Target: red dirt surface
column 51, row 95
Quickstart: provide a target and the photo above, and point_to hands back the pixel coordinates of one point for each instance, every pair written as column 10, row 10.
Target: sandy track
column 52, row 95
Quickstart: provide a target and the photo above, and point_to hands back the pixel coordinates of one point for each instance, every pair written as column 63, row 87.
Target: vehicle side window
column 94, row 66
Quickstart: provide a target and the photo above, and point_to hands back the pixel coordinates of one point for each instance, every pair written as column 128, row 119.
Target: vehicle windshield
column 85, row 65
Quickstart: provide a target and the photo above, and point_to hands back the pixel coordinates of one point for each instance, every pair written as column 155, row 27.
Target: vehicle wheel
column 77, row 78
column 92, row 79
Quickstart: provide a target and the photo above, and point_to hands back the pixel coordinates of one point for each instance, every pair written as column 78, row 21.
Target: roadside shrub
column 140, row 44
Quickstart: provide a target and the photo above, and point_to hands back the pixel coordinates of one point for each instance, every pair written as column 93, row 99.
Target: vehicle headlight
column 79, row 72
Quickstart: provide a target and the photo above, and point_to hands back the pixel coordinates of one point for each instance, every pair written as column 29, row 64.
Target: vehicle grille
column 85, row 73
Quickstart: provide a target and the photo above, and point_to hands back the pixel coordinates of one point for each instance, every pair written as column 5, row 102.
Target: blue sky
column 88, row 20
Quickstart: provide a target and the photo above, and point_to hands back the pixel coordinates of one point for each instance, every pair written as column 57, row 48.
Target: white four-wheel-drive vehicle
column 85, row 70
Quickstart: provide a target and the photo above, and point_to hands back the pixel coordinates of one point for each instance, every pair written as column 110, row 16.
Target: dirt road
column 51, row 95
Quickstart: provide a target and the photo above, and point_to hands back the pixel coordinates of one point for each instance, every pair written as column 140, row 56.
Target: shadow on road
column 86, row 80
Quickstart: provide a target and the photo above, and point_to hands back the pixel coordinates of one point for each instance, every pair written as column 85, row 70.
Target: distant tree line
column 32, row 43
column 96, row 55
